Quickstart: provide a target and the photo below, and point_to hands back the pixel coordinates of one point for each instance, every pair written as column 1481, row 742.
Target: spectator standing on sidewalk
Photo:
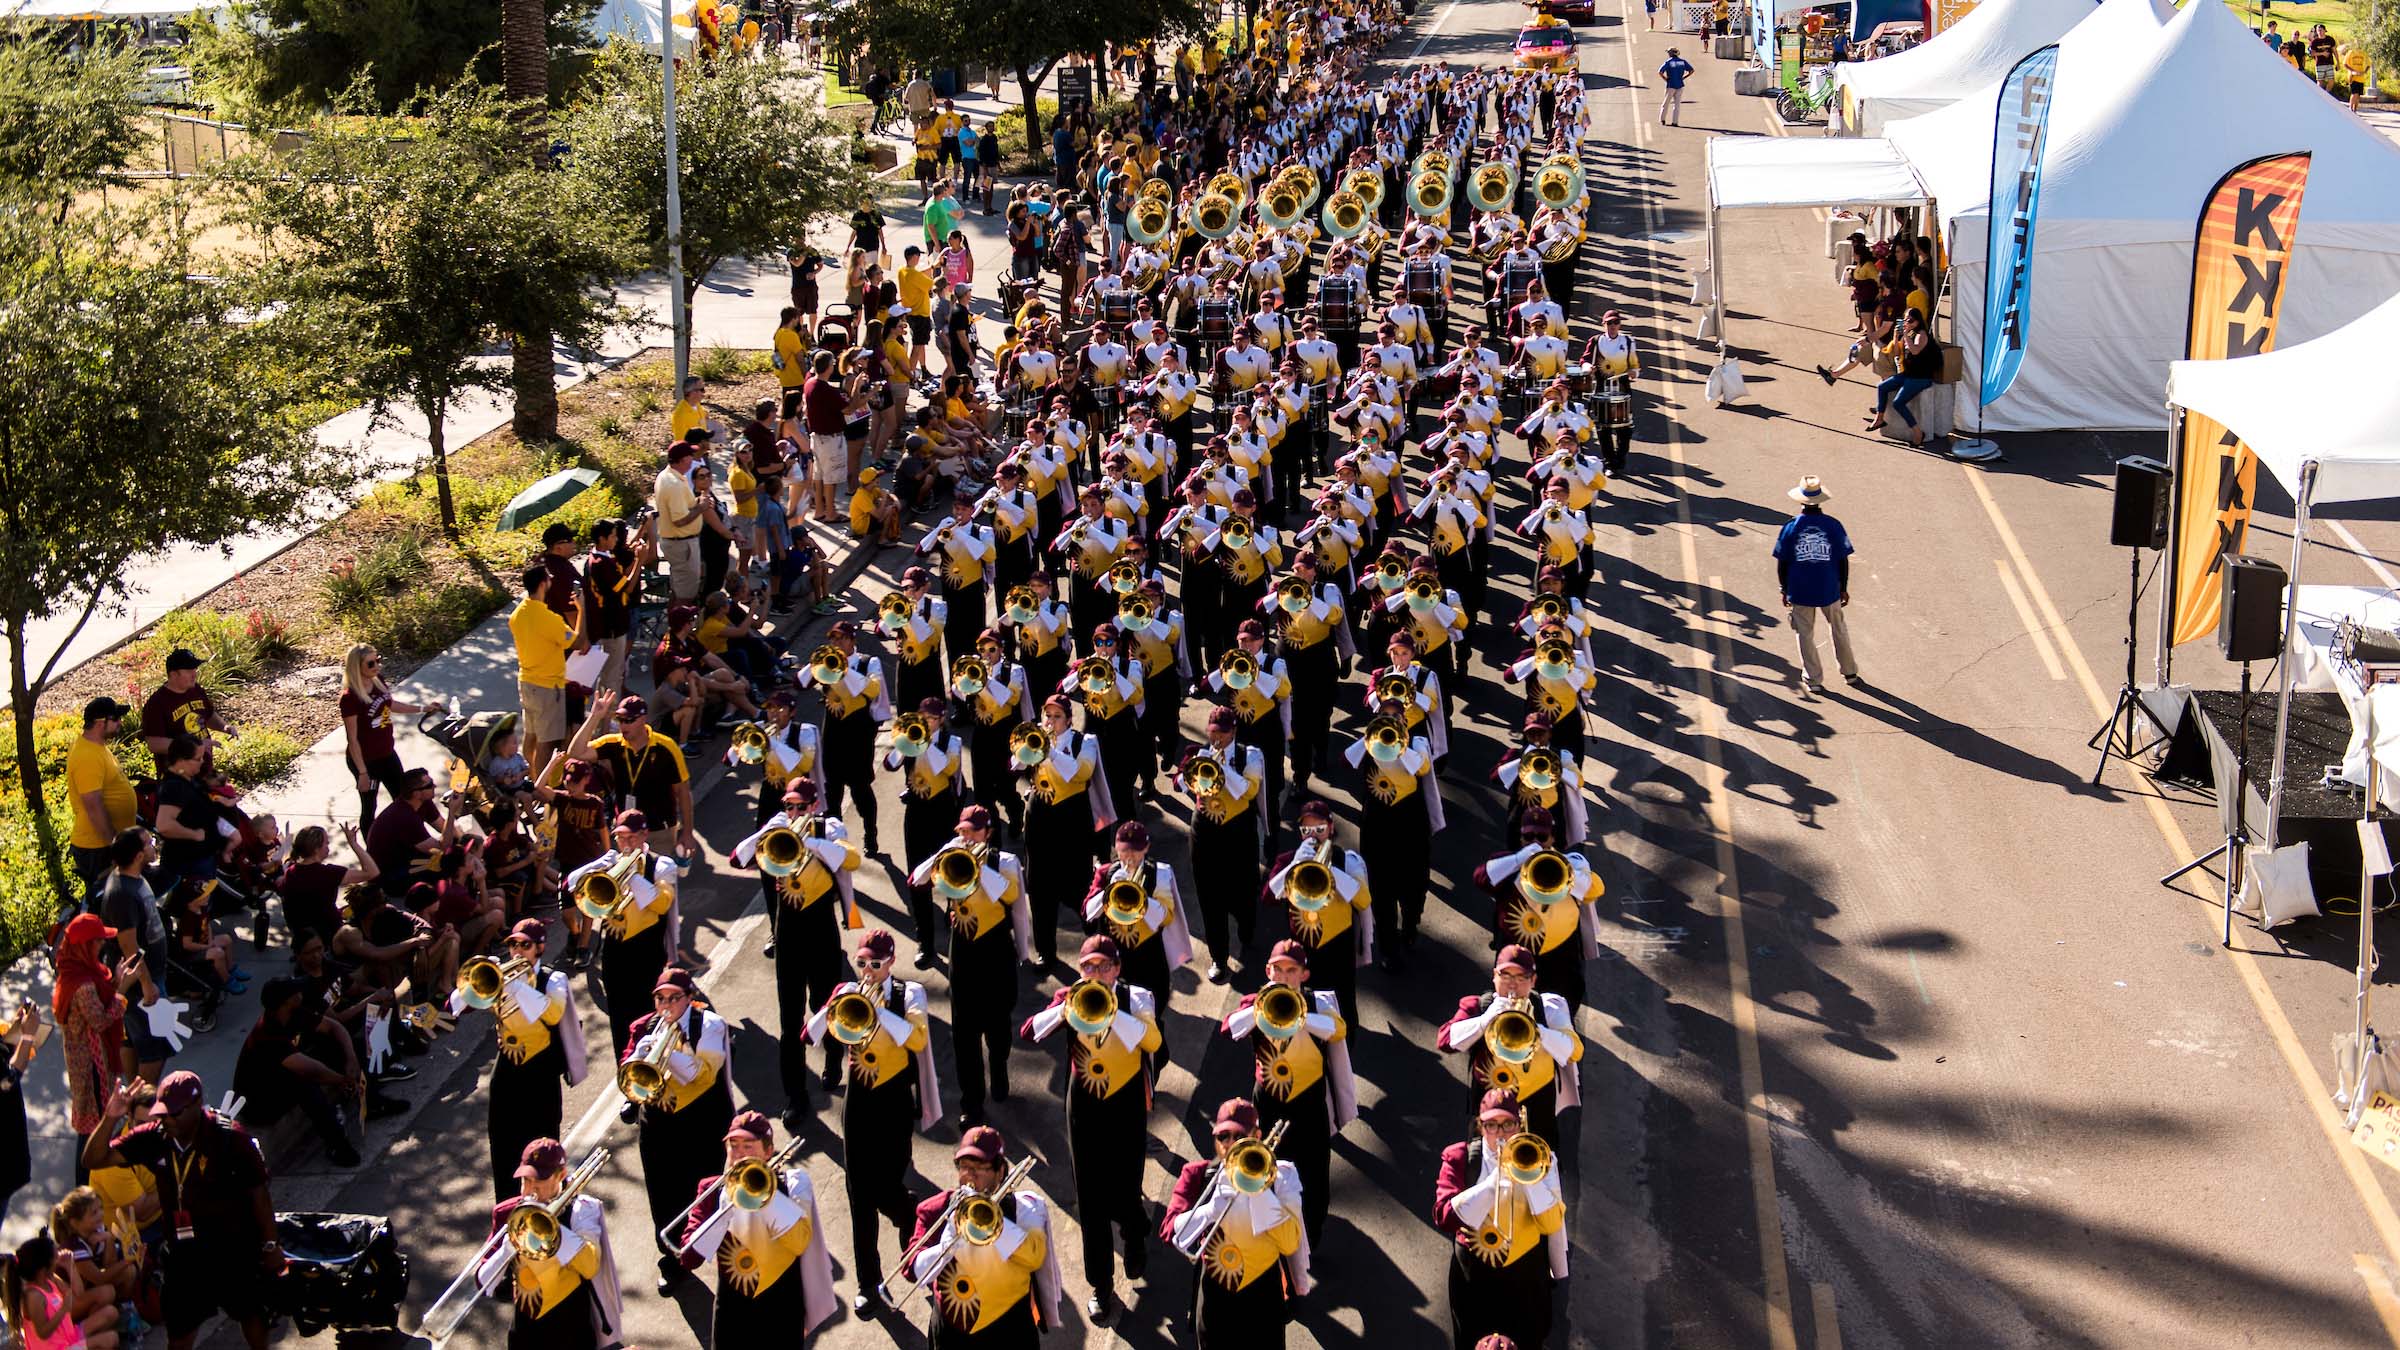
column 678, row 512
column 825, row 408
column 866, row 236
column 947, row 122
column 367, row 708
column 970, row 164
column 1812, row 568
column 916, row 99
column 181, row 705
column 1674, row 73
column 96, row 784
column 612, row 576
column 543, row 641
column 88, row 1005
column 2355, row 67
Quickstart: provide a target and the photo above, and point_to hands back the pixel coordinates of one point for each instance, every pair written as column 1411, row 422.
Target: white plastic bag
column 1702, row 289
column 1725, row 383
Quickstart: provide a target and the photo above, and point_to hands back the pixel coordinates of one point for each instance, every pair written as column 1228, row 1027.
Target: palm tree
column 525, row 72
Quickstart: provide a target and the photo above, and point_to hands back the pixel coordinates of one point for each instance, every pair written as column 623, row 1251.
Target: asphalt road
column 1895, row 1040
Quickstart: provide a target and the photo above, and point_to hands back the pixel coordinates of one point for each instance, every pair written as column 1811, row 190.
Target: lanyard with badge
column 182, row 1168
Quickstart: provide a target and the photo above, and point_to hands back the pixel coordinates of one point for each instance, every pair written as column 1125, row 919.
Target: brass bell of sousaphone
column 1493, row 186
column 1214, row 215
column 1559, row 182
column 1346, row 213
column 1366, row 185
column 1152, row 217
column 1231, row 187
column 1429, row 195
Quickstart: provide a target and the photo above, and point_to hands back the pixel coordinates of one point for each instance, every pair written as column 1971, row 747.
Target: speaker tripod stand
column 2121, row 734
column 2237, row 832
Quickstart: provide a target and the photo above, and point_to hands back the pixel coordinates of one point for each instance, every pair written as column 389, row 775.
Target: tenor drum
column 1579, row 378
column 1616, row 406
column 1117, row 307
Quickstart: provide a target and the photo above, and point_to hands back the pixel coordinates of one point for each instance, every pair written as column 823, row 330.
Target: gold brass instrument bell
column 852, row 1017
column 1124, row 903
column 1091, row 1008
column 1282, row 1012
column 643, row 1079
column 780, row 851
column 481, row 979
column 750, row 743
column 1308, row 886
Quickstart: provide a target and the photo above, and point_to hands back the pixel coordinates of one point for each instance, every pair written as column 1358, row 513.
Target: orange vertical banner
column 2238, row 264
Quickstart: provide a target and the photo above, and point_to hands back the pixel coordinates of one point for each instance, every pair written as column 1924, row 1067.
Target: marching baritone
column 881, row 1022
column 1036, row 626
column 856, row 706
column 677, row 1083
column 991, row 929
column 1300, row 1070
column 1257, row 688
column 1134, row 901
column 1557, row 678
column 541, row 1042
column 1548, row 900
column 757, row 1224
column 1534, row 1054
column 1238, row 1217
column 566, row 1295
column 984, row 1249
column 1537, row 777
column 1115, row 1026
column 1400, row 808
column 913, row 620
column 1331, row 912
column 932, row 762
column 1498, row 1200
column 631, row 892
column 807, row 860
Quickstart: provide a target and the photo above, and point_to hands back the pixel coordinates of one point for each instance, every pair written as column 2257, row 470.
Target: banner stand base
column 1974, row 448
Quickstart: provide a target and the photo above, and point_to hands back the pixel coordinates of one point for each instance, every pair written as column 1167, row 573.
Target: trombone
column 956, row 873
column 1525, row 1160
column 481, row 979
column 780, row 851
column 749, row 1184
column 1281, row 1012
column 1239, row 668
column 978, row 1216
column 1538, row 769
column 827, row 664
column 893, row 613
column 643, row 1079
column 1204, row 775
column 1386, row 738
column 852, row 1016
column 1091, row 1008
column 1249, row 1167
column 1030, row 743
column 535, row 1229
column 968, row 676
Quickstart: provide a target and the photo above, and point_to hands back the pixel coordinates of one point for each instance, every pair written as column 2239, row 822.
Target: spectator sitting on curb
column 677, row 701
column 873, row 508
column 278, row 1072
column 392, row 946
column 409, row 836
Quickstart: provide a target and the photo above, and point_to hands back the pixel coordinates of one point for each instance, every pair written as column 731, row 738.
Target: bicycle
column 1797, row 106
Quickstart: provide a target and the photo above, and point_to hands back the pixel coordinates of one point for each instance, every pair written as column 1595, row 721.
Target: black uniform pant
column 1511, row 1300
column 1316, row 680
column 1267, row 734
column 679, row 1150
column 1109, row 1137
column 1616, row 446
column 1307, row 1145
column 913, row 682
column 879, row 1127
column 527, row 1104
column 808, row 964
column 1399, row 858
column 983, row 1007
column 565, row 1325
column 1162, row 724
column 1058, row 862
column 995, row 781
column 1011, row 1330
column 629, row 970
column 1255, row 1315
column 764, row 1317
column 1225, row 879
column 1203, row 599
column 1333, row 967
column 1122, row 751
column 926, row 823
column 849, row 762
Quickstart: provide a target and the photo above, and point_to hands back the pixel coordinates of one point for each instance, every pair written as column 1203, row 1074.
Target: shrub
column 393, row 562
column 647, row 401
column 29, row 900
column 425, row 621
column 341, row 589
column 611, row 425
column 51, row 737
column 719, row 364
column 257, row 757
column 236, row 647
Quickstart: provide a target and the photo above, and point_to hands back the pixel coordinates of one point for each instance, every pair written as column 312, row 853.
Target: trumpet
column 1204, row 775
column 643, row 1079
column 750, row 743
column 1124, row 903
column 1095, row 676
column 892, row 614
column 1292, row 594
column 1547, row 877
column 1554, row 656
column 968, row 675
column 1135, row 613
column 1029, row 743
column 749, row 1184
column 852, row 1016
column 1239, row 668
column 1390, row 572
column 1022, row 604
column 956, row 873
column 780, row 851
column 1236, row 532
column 827, row 664
column 1308, row 886
column 1547, row 606
column 1249, row 1167
column 911, row 733
column 1395, row 687
column 534, row 1229
column 1423, row 590
column 603, row 895
column 978, row 1222
column 1386, row 738
column 1281, row 1011
column 1091, row 1008
column 481, row 979
column 1538, row 769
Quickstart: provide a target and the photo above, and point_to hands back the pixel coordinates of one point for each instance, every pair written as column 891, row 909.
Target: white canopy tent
column 2140, row 131
column 1976, row 51
column 638, row 21
column 1748, row 172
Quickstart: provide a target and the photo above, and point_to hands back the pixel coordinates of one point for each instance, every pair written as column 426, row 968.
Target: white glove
column 232, row 1104
column 894, row 1025
column 166, row 1022
column 1320, row 1025
column 1464, row 1031
column 1474, row 1203
column 682, row 1066
column 530, row 1002
column 379, row 1039
column 1129, row 1030
column 1558, row 1044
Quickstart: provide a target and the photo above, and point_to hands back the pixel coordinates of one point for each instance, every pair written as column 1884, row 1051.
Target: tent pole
column 2366, row 898
column 2165, row 658
column 1716, row 277
column 2283, row 670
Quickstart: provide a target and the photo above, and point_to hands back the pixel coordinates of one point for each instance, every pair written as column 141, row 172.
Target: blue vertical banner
column 2020, row 126
column 1762, row 36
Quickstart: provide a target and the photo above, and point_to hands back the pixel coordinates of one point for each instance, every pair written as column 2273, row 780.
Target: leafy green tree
column 759, row 162
column 525, row 66
column 440, row 238
column 272, row 50
column 64, row 123
column 2379, row 32
column 142, row 407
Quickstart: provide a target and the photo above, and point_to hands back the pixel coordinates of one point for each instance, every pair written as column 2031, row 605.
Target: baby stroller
column 344, row 1271
column 469, row 738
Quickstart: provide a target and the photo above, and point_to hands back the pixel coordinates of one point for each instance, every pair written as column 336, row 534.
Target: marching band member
column 1047, row 476
column 1240, row 364
column 913, row 619
column 1564, row 536
column 1187, row 531
column 856, row 706
column 1015, row 514
column 1379, row 473
column 1557, row 678
column 1312, row 640
column 1110, row 686
column 1300, row 1071
column 1321, row 358
column 1123, row 497
column 1451, row 508
column 1067, row 807
column 1473, row 356
column 1150, row 458
column 1568, row 431
column 1222, row 777
column 997, row 699
column 1154, row 634
column 1153, row 936
column 1000, row 1290
column 1036, row 625
column 1173, row 390
column 991, row 930
column 1422, row 694
column 1337, row 932
column 1509, row 1235
column 569, row 1299
column 792, row 747
column 1541, row 354
column 1535, row 775
column 968, row 549
column 932, row 761
column 1553, row 911
column 1550, row 603
column 1400, row 808
column 1252, row 1250
column 892, row 1082
column 1612, row 356
column 1425, row 281
column 1511, row 277
column 808, row 959
column 1537, row 304
column 1246, row 550
column 541, row 1042
column 1541, row 1072
column 1261, row 701
column 687, row 1047
column 1090, row 545
column 639, row 933
column 1108, row 1106
column 773, row 1271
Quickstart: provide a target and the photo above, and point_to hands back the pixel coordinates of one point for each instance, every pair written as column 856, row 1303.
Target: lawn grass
column 838, row 94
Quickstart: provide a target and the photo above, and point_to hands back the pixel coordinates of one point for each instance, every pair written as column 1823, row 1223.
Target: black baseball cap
column 102, row 708
column 182, row 659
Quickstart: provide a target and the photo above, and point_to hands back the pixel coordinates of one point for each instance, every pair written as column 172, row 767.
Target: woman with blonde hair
column 368, row 705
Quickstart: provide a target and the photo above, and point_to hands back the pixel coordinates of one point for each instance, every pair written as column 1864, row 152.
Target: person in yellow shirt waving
column 543, row 640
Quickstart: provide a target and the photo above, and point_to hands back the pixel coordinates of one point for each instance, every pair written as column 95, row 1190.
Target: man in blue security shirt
column 1812, row 566
column 1674, row 72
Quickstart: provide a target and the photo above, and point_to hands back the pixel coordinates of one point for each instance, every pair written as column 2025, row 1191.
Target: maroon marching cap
column 801, row 791
column 1244, row 497
column 983, row 1144
column 178, row 1092
column 633, row 705
column 991, row 635
column 782, row 698
column 751, row 1125
column 877, row 943
column 1402, row 638
column 1550, row 572
column 632, row 819
column 1236, row 1117
column 1496, row 1341
column 1251, row 628
column 1536, row 820
column 842, row 629
column 1292, row 950
column 1100, row 945
column 1133, row 834
column 543, row 1158
column 975, row 818
column 916, row 576
column 931, row 706
column 1538, row 721
column 677, row 979
column 1317, row 811
column 1514, row 957
column 531, row 930
column 1498, row 1104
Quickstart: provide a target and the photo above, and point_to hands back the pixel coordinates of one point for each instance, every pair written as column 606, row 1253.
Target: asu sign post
column 2243, row 250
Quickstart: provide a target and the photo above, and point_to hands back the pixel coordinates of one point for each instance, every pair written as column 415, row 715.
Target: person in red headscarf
column 89, row 1005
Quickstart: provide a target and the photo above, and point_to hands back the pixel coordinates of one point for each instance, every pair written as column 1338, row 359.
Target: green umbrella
column 546, row 496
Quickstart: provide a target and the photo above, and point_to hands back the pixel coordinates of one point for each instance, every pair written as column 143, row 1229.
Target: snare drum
column 1116, row 307
column 1579, row 378
column 1616, row 406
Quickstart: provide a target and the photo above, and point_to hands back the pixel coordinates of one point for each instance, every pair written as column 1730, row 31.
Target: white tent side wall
column 1974, row 52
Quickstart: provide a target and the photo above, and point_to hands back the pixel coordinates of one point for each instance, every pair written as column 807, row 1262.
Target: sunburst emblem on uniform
column 1385, row 790
column 1488, row 1247
column 962, row 1302
column 1090, row 1070
column 863, row 1066
column 513, row 1048
column 1225, row 1263
column 1526, row 922
column 743, row 1270
column 1502, row 1075
column 1278, row 1071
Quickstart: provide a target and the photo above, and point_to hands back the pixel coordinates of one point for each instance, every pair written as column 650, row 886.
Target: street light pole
column 678, row 317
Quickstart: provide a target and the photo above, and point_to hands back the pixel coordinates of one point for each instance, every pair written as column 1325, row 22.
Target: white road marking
column 1438, row 21
column 2374, row 564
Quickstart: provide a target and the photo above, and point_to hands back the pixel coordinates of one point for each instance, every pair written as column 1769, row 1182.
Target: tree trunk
column 525, row 65
column 29, row 766
column 433, row 410
column 1030, row 85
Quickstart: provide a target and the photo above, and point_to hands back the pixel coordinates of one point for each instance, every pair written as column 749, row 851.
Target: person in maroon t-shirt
column 181, row 705
column 825, row 405
column 367, row 708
